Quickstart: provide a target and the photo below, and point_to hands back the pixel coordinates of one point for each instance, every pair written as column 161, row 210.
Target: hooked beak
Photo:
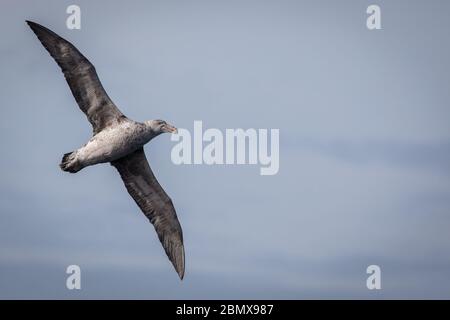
column 169, row 128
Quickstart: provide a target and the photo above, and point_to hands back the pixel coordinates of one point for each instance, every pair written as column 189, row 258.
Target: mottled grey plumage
column 117, row 140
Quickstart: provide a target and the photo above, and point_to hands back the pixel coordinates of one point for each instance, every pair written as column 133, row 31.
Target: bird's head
column 160, row 126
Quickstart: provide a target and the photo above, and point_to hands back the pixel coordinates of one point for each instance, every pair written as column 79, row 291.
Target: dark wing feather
column 155, row 203
column 81, row 77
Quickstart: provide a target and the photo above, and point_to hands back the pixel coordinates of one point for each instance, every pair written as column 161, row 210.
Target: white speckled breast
column 114, row 142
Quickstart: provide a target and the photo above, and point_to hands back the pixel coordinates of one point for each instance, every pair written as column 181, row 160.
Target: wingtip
column 33, row 25
column 180, row 271
column 179, row 265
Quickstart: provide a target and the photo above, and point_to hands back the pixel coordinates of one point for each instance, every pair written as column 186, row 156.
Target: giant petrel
column 118, row 140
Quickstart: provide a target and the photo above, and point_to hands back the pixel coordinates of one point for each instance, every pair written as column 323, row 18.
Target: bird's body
column 117, row 140
column 110, row 144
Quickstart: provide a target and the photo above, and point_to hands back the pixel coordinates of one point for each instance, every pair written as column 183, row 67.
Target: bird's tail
column 70, row 163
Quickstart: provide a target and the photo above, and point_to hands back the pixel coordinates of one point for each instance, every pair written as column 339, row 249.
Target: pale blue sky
column 364, row 150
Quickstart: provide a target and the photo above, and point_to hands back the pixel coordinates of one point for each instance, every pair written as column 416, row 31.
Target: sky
column 364, row 175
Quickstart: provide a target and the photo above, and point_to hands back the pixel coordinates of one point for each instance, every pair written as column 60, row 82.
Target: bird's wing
column 81, row 77
column 155, row 203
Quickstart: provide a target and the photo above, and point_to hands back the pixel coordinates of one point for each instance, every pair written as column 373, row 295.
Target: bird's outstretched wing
column 81, row 77
column 155, row 203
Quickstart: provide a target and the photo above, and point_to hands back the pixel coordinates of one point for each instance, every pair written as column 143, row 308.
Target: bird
column 117, row 140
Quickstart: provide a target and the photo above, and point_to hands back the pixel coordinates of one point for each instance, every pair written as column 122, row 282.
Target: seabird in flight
column 118, row 140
